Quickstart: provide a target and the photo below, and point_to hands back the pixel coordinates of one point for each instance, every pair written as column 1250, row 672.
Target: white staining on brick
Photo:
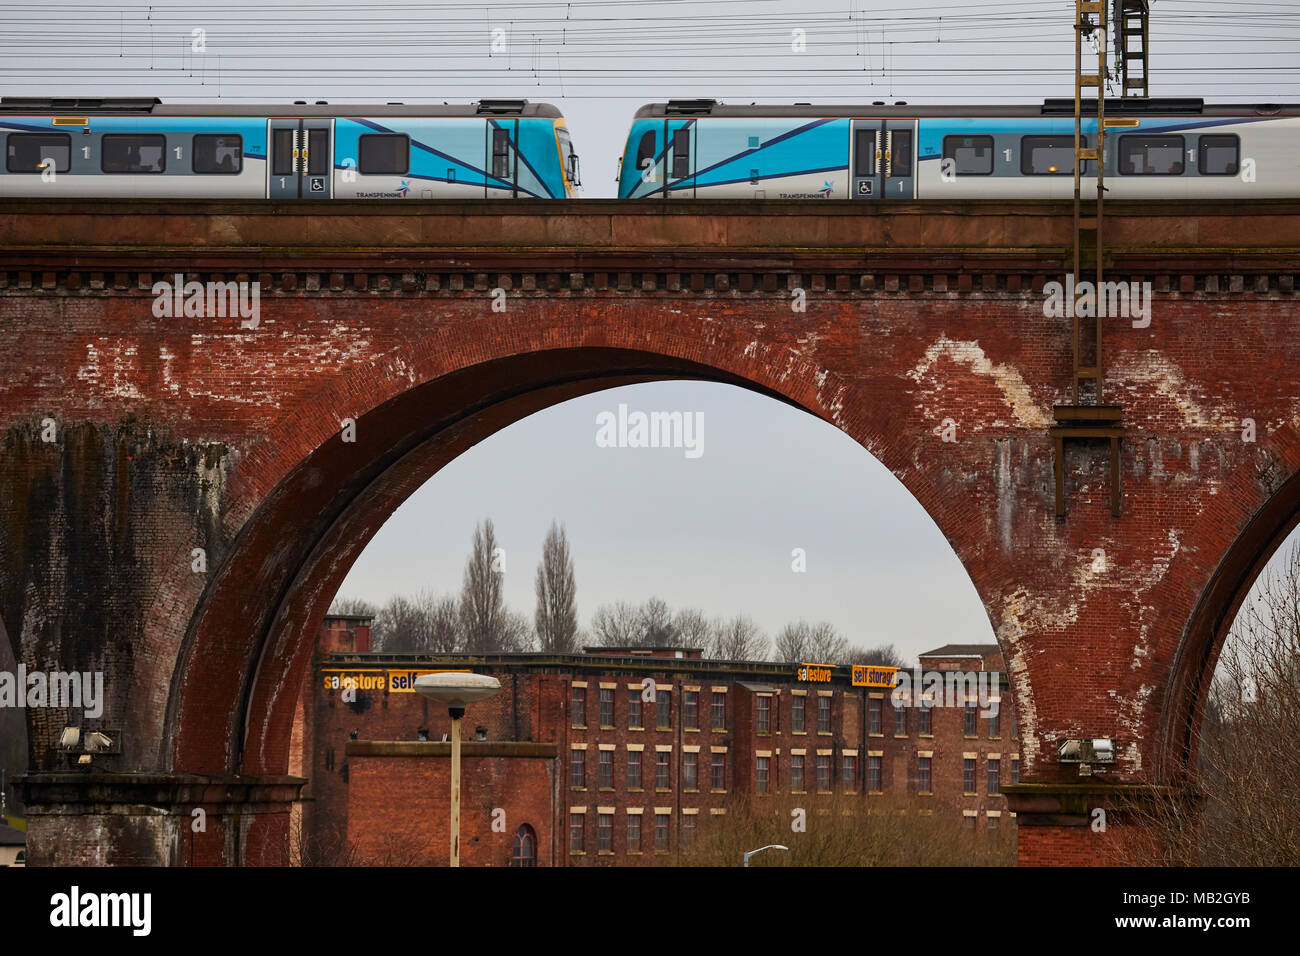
column 1008, row 379
column 799, row 561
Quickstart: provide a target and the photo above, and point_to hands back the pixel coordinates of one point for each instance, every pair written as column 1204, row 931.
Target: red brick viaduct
column 178, row 504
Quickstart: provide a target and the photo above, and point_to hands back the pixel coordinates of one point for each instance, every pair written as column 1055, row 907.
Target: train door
column 502, row 161
column 882, row 158
column 300, row 159
column 679, row 158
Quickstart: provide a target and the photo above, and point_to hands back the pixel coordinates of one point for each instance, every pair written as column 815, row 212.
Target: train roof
column 1152, row 106
column 152, row 106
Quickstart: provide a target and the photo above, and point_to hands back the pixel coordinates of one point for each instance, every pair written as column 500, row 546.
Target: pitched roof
column 963, row 650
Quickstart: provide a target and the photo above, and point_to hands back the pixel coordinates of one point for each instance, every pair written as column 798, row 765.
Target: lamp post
column 770, row 846
column 456, row 691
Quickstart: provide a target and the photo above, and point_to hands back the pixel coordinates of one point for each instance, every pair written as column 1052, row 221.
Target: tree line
column 477, row 620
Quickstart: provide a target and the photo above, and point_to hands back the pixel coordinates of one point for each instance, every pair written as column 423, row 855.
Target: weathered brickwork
column 180, row 439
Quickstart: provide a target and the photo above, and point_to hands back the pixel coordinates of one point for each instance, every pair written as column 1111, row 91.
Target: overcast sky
column 714, row 532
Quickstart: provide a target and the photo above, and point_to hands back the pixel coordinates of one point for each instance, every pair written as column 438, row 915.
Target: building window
column 995, row 775
column 719, row 781
column 823, row 772
column 761, row 784
column 661, row 770
column 765, row 715
column 634, row 770
column 874, row 705
column 607, row 707
column 217, row 153
column 575, row 832
column 661, row 721
column 605, row 832
column 873, row 775
column 849, row 771
column 968, row 775
column 796, row 773
column 525, row 852
column 925, row 720
column 606, row 770
column 692, row 710
column 688, row 828
column 1015, row 770
column 500, row 154
column 993, row 822
column 690, row 766
column 923, row 774
column 719, row 711
column 972, row 720
column 995, row 721
column 900, row 718
column 634, row 709
column 823, row 715
column 661, row 831
column 634, row 833
column 578, row 769
column 578, row 707
column 968, row 819
column 796, row 714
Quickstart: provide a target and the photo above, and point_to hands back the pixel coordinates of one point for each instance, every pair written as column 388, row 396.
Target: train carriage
column 132, row 148
column 1155, row 149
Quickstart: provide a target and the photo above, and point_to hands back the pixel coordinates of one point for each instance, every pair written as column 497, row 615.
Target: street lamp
column 456, row 691
column 770, row 846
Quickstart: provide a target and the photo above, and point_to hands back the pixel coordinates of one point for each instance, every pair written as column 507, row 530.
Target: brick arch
column 1259, row 509
column 304, row 504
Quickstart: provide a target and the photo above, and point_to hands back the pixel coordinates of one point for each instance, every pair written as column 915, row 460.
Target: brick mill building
column 615, row 755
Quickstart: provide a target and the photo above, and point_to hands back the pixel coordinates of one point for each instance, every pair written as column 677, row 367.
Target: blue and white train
column 1155, row 149
column 129, row 148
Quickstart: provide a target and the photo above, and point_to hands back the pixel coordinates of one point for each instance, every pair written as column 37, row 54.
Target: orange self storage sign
column 394, row 681
column 869, row 675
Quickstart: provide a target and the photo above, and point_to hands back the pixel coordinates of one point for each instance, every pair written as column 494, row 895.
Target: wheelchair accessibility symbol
column 318, row 185
column 864, row 188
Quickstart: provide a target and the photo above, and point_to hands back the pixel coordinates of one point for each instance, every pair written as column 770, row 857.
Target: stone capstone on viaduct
column 178, row 503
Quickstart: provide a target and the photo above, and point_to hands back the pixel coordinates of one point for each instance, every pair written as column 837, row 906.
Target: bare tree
column 439, row 626
column 482, row 606
column 557, row 612
column 693, row 628
column 738, row 639
column 656, row 624
column 616, row 625
column 883, row 656
column 397, row 626
column 1237, row 806
column 351, row 605
column 819, row 643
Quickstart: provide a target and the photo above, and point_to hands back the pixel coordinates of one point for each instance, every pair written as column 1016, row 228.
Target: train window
column 900, row 153
column 1151, row 155
column 501, row 153
column 319, row 159
column 681, row 153
column 1047, row 155
column 1220, row 155
column 864, row 152
column 972, row 154
column 645, row 151
column 132, row 153
column 218, row 153
column 282, row 163
column 383, row 152
column 27, row 152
